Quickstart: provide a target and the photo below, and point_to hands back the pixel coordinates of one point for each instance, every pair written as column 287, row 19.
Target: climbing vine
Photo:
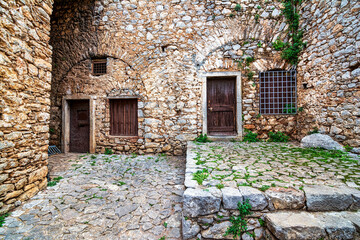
column 292, row 48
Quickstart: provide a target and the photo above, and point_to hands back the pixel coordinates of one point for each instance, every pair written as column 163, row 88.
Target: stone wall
column 329, row 72
column 25, row 73
column 157, row 50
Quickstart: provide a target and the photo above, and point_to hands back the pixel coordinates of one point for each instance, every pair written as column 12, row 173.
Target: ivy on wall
column 291, row 49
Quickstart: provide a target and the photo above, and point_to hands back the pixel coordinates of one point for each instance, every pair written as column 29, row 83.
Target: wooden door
column 221, row 103
column 79, row 126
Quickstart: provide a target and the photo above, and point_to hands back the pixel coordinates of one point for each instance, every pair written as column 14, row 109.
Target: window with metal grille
column 99, row 66
column 123, row 117
column 278, row 92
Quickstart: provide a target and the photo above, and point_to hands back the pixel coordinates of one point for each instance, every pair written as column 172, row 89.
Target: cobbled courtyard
column 264, row 165
column 99, row 196
column 104, row 197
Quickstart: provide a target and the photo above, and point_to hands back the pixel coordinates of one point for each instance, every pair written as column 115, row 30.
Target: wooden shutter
column 123, row 117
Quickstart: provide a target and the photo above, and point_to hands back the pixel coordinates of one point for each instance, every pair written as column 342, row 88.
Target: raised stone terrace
column 295, row 193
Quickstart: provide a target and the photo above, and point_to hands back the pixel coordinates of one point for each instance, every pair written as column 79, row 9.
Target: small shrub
column 108, row 151
column 250, row 75
column 231, row 15
column 249, row 60
column 239, row 224
column 237, row 7
column 259, row 45
column 200, row 176
column 202, row 138
column 250, row 136
column 278, row 137
column 257, row 16
column 278, row 45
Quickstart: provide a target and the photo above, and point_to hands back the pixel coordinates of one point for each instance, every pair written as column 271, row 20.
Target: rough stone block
column 321, row 141
column 198, row 202
column 231, row 197
column 39, row 174
column 324, row 198
column 286, row 198
column 256, row 198
column 190, row 229
column 295, row 226
column 335, row 226
column 217, row 231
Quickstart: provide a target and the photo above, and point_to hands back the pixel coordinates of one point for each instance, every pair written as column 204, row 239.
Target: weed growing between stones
column 239, row 224
column 108, row 151
column 54, row 182
column 2, row 218
column 250, row 136
column 202, row 138
column 315, row 130
column 278, row 137
column 200, row 176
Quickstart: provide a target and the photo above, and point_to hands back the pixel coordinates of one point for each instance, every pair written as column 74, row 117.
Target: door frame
column 65, row 138
column 204, row 78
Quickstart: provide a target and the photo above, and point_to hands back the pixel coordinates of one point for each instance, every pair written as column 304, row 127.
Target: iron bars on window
column 278, row 92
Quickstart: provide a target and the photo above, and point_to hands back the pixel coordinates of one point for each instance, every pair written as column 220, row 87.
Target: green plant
column 278, row 137
column 51, row 130
column 2, row 218
column 239, row 224
column 162, row 238
column 202, row 138
column 219, row 186
column 54, row 182
column 300, row 109
column 257, row 16
column 259, row 45
column 249, row 60
column 289, row 108
column 250, row 136
column 165, row 224
column 108, row 151
column 315, row 130
column 262, row 222
column 250, row 75
column 258, row 7
column 93, row 157
column 291, row 49
column 237, row 7
column 264, row 188
column 200, row 176
column 231, row 15
column 278, row 44
column 348, row 148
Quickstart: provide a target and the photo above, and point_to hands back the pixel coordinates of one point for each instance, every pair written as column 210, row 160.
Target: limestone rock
column 321, row 141
column 189, row 229
column 217, row 231
column 335, row 226
column 256, row 198
column 294, row 226
column 198, row 202
column 286, row 198
column 231, row 197
column 324, row 198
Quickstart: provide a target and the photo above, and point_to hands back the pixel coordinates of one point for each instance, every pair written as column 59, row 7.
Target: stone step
column 289, row 225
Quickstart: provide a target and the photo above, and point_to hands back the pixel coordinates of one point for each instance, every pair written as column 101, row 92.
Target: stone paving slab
column 105, row 197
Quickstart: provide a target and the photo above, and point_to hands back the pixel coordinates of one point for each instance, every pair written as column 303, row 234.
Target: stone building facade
column 25, row 83
column 162, row 53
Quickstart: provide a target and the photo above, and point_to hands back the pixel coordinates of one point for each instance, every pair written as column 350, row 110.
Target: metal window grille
column 278, row 92
column 99, row 66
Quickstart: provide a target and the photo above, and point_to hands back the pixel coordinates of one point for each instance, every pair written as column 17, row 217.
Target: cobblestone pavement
column 105, row 197
column 264, row 165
